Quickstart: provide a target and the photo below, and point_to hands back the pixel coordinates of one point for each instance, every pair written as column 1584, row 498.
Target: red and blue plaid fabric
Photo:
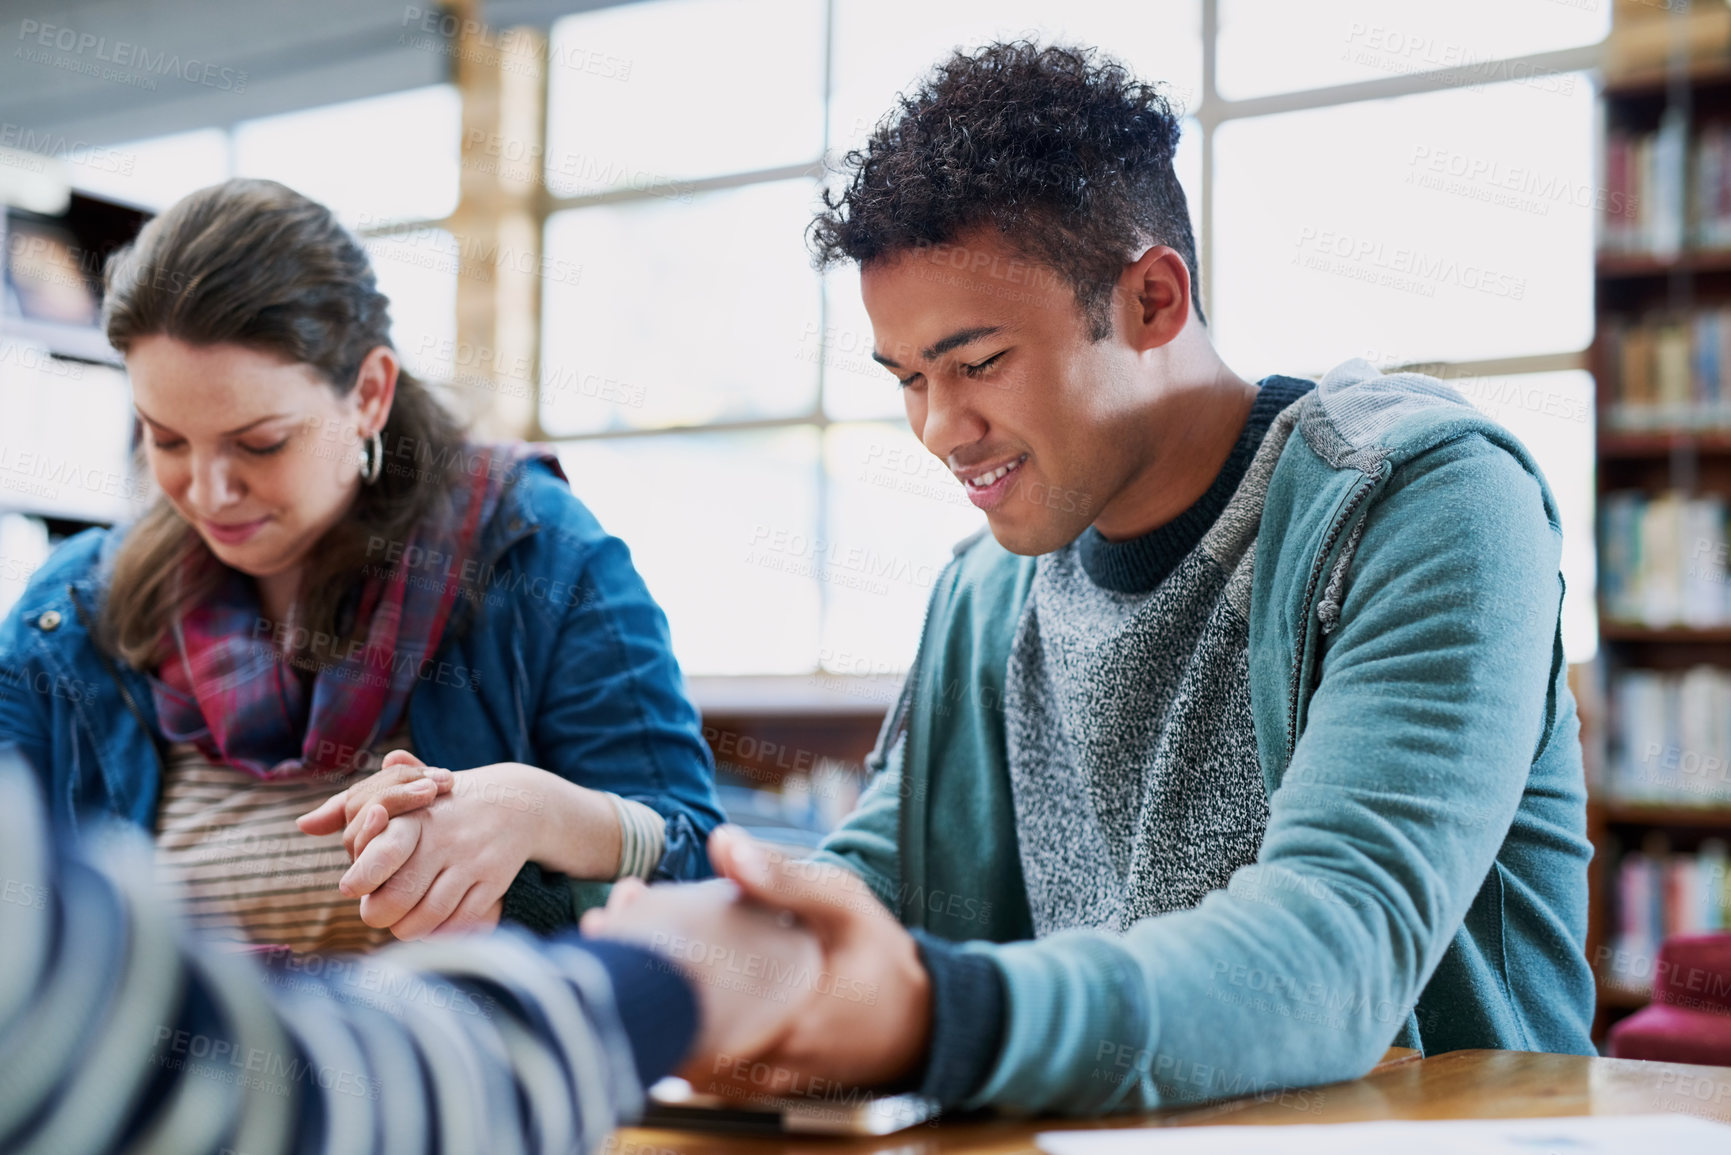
column 230, row 690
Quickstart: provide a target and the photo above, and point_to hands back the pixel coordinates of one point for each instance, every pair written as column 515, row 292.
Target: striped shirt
column 227, row 841
column 119, row 1031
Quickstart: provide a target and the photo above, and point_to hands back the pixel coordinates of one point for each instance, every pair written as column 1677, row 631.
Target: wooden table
column 1458, row 1085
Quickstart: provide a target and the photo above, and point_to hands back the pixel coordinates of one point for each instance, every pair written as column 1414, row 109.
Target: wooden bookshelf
column 1631, row 265
column 1617, row 445
column 1654, row 815
column 1633, row 288
column 1614, row 631
column 1654, row 83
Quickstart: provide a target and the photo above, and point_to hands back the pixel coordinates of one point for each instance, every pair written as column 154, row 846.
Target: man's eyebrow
column 954, row 341
column 230, row 433
column 957, row 339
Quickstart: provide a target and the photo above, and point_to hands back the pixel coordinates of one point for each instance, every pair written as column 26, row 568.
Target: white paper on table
column 1573, row 1135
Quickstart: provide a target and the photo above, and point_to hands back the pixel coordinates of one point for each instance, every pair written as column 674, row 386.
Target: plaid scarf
column 228, row 689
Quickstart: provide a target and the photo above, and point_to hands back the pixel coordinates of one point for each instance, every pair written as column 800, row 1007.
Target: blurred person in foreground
column 336, row 593
column 121, row 1031
column 1241, row 747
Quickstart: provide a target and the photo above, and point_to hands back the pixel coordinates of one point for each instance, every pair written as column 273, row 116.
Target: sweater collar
column 1139, row 565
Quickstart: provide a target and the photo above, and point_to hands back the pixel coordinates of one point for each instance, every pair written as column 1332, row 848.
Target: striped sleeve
column 119, row 1030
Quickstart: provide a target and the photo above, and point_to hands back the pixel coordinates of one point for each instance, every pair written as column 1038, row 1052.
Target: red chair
column 1689, row 1020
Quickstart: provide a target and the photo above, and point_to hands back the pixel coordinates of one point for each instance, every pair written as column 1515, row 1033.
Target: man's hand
column 866, row 1018
column 402, row 783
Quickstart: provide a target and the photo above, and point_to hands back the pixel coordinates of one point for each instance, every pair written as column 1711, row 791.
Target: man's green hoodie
column 1422, row 881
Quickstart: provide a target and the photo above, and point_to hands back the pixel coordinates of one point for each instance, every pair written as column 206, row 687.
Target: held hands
column 746, row 1004
column 435, row 850
column 862, row 1016
column 402, row 783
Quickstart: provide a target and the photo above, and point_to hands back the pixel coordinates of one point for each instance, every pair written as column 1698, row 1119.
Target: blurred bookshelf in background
column 1671, row 738
column 1663, row 560
column 1660, row 894
column 1659, row 811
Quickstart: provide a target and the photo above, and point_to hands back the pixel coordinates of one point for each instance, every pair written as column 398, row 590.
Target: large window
column 716, row 397
column 1411, row 184
column 379, row 163
column 717, row 401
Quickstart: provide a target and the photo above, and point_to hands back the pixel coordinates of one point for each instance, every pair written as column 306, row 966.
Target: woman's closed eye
column 170, row 446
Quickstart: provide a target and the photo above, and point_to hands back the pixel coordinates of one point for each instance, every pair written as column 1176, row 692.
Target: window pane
column 679, row 311
column 720, row 526
column 1187, row 163
column 65, row 449
column 883, row 46
column 895, row 511
column 854, row 386
column 418, row 272
column 387, row 158
column 641, row 94
column 154, row 173
column 1552, row 414
column 1447, row 226
column 1277, row 46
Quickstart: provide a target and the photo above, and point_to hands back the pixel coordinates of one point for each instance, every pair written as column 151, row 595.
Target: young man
column 1241, row 748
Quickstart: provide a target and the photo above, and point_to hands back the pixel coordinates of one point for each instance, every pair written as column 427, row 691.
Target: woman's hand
column 402, row 783
column 446, row 866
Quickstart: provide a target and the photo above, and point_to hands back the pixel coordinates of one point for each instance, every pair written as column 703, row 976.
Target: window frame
column 1212, row 111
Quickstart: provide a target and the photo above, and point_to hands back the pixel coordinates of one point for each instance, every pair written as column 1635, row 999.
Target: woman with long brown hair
column 332, row 573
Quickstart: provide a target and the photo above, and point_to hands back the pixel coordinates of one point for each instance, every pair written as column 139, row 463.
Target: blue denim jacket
column 564, row 663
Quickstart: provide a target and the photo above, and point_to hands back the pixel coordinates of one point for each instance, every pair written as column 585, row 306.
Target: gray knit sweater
column 1132, row 756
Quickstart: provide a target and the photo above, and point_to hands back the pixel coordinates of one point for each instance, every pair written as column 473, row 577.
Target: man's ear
column 376, row 386
column 1154, row 298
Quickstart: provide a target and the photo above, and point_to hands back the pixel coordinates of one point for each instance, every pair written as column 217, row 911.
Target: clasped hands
column 435, row 850
column 801, row 974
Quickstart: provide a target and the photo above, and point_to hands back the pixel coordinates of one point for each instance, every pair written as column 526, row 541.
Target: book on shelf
column 1667, row 371
column 1645, row 209
column 1711, row 207
column 1670, row 737
column 1658, row 895
column 1662, row 559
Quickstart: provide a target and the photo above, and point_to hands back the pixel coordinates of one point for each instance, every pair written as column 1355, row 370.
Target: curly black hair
column 1061, row 148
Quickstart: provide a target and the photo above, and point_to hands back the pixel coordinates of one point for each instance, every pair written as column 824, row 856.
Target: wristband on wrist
column 642, row 838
